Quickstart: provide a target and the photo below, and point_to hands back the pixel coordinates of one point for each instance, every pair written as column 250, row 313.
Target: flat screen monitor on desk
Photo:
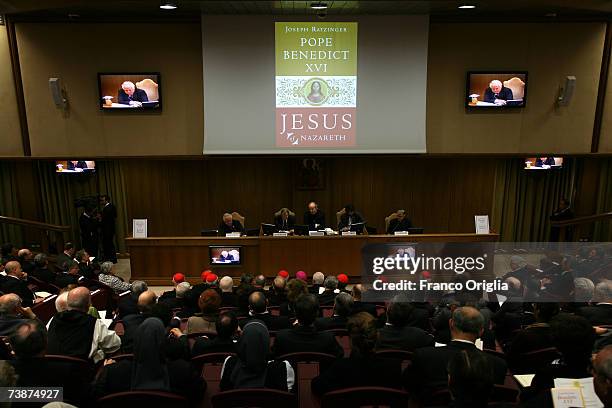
column 268, row 229
column 357, row 227
column 225, row 255
column 300, row 229
column 415, row 230
column 209, row 233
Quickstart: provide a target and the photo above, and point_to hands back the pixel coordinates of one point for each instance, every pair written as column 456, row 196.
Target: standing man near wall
column 109, row 216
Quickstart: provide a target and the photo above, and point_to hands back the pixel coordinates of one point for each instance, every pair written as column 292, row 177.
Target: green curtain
column 523, row 200
column 602, row 231
column 59, row 192
column 9, row 205
column 112, row 182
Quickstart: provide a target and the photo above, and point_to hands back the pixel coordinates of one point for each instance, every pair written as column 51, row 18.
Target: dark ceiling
column 121, row 10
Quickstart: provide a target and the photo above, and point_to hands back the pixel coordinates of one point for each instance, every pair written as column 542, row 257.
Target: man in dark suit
column 107, row 222
column 229, row 225
column 68, row 277
column 128, row 304
column 600, row 312
column 314, row 217
column 41, row 269
column 258, row 310
column 16, row 283
column 326, row 298
column 88, row 224
column 358, row 305
column 397, row 333
column 348, row 218
column 284, row 221
column 12, row 314
column 303, row 336
column 77, row 164
column 228, row 297
column 63, row 260
column 428, row 371
column 29, row 342
column 130, row 95
column 401, row 223
column 277, row 294
column 343, row 305
column 317, row 282
column 497, row 93
column 26, row 259
column 226, row 326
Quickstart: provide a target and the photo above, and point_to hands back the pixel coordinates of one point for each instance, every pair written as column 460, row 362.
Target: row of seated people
column 466, row 324
column 314, row 219
column 157, row 363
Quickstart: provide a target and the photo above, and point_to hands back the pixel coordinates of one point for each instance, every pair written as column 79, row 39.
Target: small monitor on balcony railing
column 543, row 163
column 75, row 166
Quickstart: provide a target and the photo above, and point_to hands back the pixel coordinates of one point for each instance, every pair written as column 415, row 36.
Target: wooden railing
column 48, row 232
column 578, row 222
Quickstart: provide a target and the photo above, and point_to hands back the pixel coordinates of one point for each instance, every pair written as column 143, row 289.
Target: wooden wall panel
column 10, row 131
column 181, row 197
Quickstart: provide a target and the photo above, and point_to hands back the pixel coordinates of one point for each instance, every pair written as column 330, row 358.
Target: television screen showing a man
column 130, row 91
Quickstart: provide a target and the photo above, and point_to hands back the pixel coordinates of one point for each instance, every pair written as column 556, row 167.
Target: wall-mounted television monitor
column 135, row 91
column 75, row 166
column 225, row 255
column 543, row 163
column 496, row 89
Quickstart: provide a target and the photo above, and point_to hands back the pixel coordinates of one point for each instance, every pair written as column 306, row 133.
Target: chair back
column 307, row 365
column 405, row 357
column 254, row 397
column 517, row 86
column 365, row 396
column 327, row 311
column 130, row 399
column 343, row 338
column 530, row 362
column 85, row 368
column 150, row 87
column 45, row 309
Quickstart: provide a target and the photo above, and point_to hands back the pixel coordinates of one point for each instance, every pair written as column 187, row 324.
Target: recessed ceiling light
column 318, row 6
column 168, row 6
column 467, row 6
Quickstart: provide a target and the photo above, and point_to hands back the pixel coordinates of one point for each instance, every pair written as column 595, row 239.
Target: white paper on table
column 591, row 400
column 524, row 379
column 439, row 344
column 566, row 397
column 42, row 294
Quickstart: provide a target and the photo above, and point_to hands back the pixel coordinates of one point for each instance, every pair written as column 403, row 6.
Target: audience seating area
column 281, row 343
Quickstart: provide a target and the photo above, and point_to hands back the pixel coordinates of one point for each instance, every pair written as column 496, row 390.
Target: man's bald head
column 13, row 268
column 514, row 285
column 146, row 300
column 226, row 284
column 467, row 323
column 257, row 302
column 9, row 304
column 24, row 253
column 61, row 302
column 79, row 299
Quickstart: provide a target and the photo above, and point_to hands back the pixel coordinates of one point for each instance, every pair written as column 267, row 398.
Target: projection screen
column 314, row 87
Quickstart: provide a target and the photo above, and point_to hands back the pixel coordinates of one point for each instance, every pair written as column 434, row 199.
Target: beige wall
column 605, row 140
column 548, row 51
column 76, row 53
column 10, row 135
